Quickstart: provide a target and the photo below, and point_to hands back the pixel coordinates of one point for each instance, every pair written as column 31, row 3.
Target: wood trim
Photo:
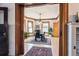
column 29, row 18
column 19, row 22
column 48, row 18
column 41, row 19
column 38, row 4
column 63, row 30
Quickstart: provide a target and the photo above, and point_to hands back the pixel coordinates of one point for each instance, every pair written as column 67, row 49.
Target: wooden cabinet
column 56, row 29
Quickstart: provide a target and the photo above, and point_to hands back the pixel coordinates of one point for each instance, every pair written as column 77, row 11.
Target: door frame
column 19, row 18
column 5, row 10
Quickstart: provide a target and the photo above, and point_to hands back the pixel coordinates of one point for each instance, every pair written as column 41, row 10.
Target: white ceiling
column 47, row 11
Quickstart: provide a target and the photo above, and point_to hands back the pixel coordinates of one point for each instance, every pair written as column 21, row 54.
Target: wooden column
column 19, row 16
column 63, row 29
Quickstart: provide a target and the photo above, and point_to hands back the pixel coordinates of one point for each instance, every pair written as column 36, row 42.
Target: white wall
column 73, row 9
column 11, row 22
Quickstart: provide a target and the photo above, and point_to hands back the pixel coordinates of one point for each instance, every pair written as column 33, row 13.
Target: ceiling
column 47, row 11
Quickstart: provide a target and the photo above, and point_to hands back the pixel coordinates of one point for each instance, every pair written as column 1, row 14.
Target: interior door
column 3, row 31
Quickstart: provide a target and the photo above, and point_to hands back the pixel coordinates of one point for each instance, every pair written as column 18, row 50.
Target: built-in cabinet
column 73, row 39
column 56, row 29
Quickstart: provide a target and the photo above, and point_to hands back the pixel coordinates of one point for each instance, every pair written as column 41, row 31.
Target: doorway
column 19, row 27
column 40, row 31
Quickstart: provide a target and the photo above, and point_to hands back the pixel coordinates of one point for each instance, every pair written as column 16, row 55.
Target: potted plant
column 26, row 34
column 49, row 31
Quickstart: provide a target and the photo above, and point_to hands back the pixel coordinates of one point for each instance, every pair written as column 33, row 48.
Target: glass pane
column 1, row 17
column 30, row 24
column 77, row 41
column 30, row 29
column 45, row 27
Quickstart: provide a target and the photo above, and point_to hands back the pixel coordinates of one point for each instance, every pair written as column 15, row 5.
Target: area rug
column 47, row 42
column 39, row 51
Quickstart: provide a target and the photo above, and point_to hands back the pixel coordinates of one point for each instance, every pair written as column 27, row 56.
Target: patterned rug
column 39, row 51
column 47, row 42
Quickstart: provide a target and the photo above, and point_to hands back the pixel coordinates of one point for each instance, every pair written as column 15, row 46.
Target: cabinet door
column 73, row 40
column 56, row 29
column 77, row 41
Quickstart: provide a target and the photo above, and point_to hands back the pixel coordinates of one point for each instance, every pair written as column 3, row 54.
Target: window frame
column 43, row 23
column 28, row 26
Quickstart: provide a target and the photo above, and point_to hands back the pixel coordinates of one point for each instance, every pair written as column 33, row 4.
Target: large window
column 30, row 26
column 45, row 26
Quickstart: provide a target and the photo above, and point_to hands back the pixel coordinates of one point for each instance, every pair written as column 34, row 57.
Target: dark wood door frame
column 19, row 8
column 63, row 30
column 19, row 42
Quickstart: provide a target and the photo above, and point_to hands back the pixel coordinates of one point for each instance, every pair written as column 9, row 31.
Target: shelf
column 77, row 41
column 77, row 33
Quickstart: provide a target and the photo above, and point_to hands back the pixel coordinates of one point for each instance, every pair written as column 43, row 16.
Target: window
column 30, row 26
column 45, row 26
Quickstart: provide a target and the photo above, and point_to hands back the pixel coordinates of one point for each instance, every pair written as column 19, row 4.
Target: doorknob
column 4, row 34
column 74, row 47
